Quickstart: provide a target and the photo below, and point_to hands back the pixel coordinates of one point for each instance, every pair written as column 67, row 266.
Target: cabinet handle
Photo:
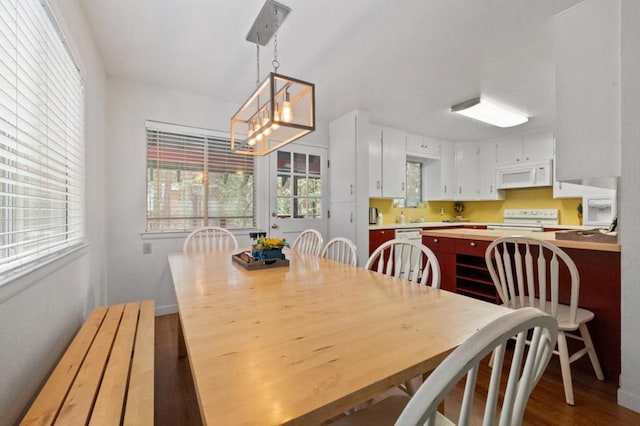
column 490, row 189
column 435, row 240
column 402, row 186
column 445, row 189
column 460, row 189
column 351, row 189
column 472, row 244
column 378, row 184
column 351, row 217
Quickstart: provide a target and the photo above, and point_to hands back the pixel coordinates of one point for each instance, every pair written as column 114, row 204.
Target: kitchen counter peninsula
column 460, row 252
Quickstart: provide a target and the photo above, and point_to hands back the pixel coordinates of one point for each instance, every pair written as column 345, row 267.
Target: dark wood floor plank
column 176, row 402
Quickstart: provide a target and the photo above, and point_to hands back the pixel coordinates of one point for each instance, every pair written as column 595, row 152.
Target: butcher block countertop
column 583, row 242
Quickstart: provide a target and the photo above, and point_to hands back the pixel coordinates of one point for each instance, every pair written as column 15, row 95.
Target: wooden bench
column 106, row 376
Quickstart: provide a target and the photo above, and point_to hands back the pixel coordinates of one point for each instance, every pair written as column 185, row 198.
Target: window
column 194, row 180
column 41, row 138
column 299, row 190
column 414, row 184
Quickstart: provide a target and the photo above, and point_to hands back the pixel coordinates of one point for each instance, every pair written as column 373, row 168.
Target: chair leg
column 584, row 332
column 565, row 366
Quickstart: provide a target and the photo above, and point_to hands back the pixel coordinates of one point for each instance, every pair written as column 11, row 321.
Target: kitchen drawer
column 439, row 244
column 471, row 247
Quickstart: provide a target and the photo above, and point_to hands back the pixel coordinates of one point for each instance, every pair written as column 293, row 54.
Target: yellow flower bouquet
column 268, row 248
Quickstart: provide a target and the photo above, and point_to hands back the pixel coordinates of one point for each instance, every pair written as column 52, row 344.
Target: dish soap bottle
column 401, row 218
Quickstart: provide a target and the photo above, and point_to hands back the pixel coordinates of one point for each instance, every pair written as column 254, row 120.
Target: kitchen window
column 194, row 180
column 41, row 140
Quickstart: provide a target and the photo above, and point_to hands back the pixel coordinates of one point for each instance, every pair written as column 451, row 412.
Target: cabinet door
column 394, row 159
column 379, row 236
column 466, row 171
column 588, row 96
column 375, row 162
column 342, row 220
column 487, row 172
column 342, row 159
column 443, row 248
column 422, row 146
column 509, row 150
column 447, row 170
column 537, row 146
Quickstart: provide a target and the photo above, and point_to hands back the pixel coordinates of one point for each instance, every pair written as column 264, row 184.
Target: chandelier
column 282, row 108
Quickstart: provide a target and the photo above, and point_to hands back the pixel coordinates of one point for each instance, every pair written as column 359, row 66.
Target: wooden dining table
column 303, row 343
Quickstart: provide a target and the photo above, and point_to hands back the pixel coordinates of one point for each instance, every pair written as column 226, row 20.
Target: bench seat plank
column 77, row 407
column 111, row 396
column 139, row 409
column 44, row 409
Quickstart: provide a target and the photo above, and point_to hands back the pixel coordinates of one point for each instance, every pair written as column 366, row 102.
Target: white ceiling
column 405, row 61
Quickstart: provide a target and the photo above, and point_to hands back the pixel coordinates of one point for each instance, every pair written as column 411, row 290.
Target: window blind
column 41, row 137
column 194, row 180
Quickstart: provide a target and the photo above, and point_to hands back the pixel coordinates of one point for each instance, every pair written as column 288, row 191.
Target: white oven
column 526, row 219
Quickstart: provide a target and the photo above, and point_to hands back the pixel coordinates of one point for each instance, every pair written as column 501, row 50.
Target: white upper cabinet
column 342, row 158
column 422, row 146
column 375, row 161
column 487, row 172
column 532, row 147
column 466, row 160
column 393, row 161
column 439, row 176
column 588, row 96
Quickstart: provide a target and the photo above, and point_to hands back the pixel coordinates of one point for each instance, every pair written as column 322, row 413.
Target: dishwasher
column 411, row 234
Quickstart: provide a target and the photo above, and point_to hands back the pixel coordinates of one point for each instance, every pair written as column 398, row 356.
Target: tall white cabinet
column 588, row 96
column 387, row 162
column 348, row 180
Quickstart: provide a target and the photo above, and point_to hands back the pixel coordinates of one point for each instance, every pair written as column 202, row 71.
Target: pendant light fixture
column 487, row 112
column 281, row 109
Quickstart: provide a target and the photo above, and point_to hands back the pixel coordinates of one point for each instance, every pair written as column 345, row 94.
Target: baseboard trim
column 166, row 310
column 630, row 401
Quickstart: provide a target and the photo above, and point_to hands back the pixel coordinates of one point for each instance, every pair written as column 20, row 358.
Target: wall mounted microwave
column 525, row 175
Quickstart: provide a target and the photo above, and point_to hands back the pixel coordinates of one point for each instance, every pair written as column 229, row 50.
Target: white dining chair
column 341, row 250
column 209, row 238
column 406, row 259
column 308, row 241
column 505, row 400
column 530, row 272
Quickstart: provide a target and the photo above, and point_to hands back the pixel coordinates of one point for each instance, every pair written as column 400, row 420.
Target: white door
column 297, row 191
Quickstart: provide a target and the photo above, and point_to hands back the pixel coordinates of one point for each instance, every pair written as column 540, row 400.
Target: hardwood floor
column 176, row 402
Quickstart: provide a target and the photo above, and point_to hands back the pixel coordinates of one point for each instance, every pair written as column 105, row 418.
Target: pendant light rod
column 263, row 27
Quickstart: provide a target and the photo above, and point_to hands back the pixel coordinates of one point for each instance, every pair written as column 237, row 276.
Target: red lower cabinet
column 444, row 249
column 379, row 236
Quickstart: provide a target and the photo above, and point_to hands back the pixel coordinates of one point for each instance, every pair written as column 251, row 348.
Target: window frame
column 56, row 155
column 205, row 134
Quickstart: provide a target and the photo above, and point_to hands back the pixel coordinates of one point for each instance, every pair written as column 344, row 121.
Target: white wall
column 629, row 392
column 132, row 275
column 40, row 313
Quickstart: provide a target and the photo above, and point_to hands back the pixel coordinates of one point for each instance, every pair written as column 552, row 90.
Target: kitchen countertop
column 458, row 224
column 490, row 235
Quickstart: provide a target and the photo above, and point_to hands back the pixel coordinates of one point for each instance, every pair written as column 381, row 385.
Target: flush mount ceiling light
column 281, row 109
column 489, row 113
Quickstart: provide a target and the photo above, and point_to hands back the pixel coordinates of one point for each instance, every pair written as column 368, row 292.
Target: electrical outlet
column 441, row 211
column 146, row 248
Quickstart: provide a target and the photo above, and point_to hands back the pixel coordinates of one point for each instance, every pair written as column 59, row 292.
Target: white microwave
column 525, row 175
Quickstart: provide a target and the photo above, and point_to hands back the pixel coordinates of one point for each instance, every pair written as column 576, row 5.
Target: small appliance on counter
column 373, row 215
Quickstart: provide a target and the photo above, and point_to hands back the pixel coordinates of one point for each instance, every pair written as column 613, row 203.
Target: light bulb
column 287, row 114
column 251, row 142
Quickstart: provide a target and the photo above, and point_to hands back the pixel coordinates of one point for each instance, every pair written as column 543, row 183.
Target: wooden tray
column 249, row 263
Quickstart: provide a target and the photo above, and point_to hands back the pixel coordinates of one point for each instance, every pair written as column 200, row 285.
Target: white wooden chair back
column 408, row 260
column 525, row 371
column 308, row 241
column 341, row 250
column 209, row 238
column 526, row 272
